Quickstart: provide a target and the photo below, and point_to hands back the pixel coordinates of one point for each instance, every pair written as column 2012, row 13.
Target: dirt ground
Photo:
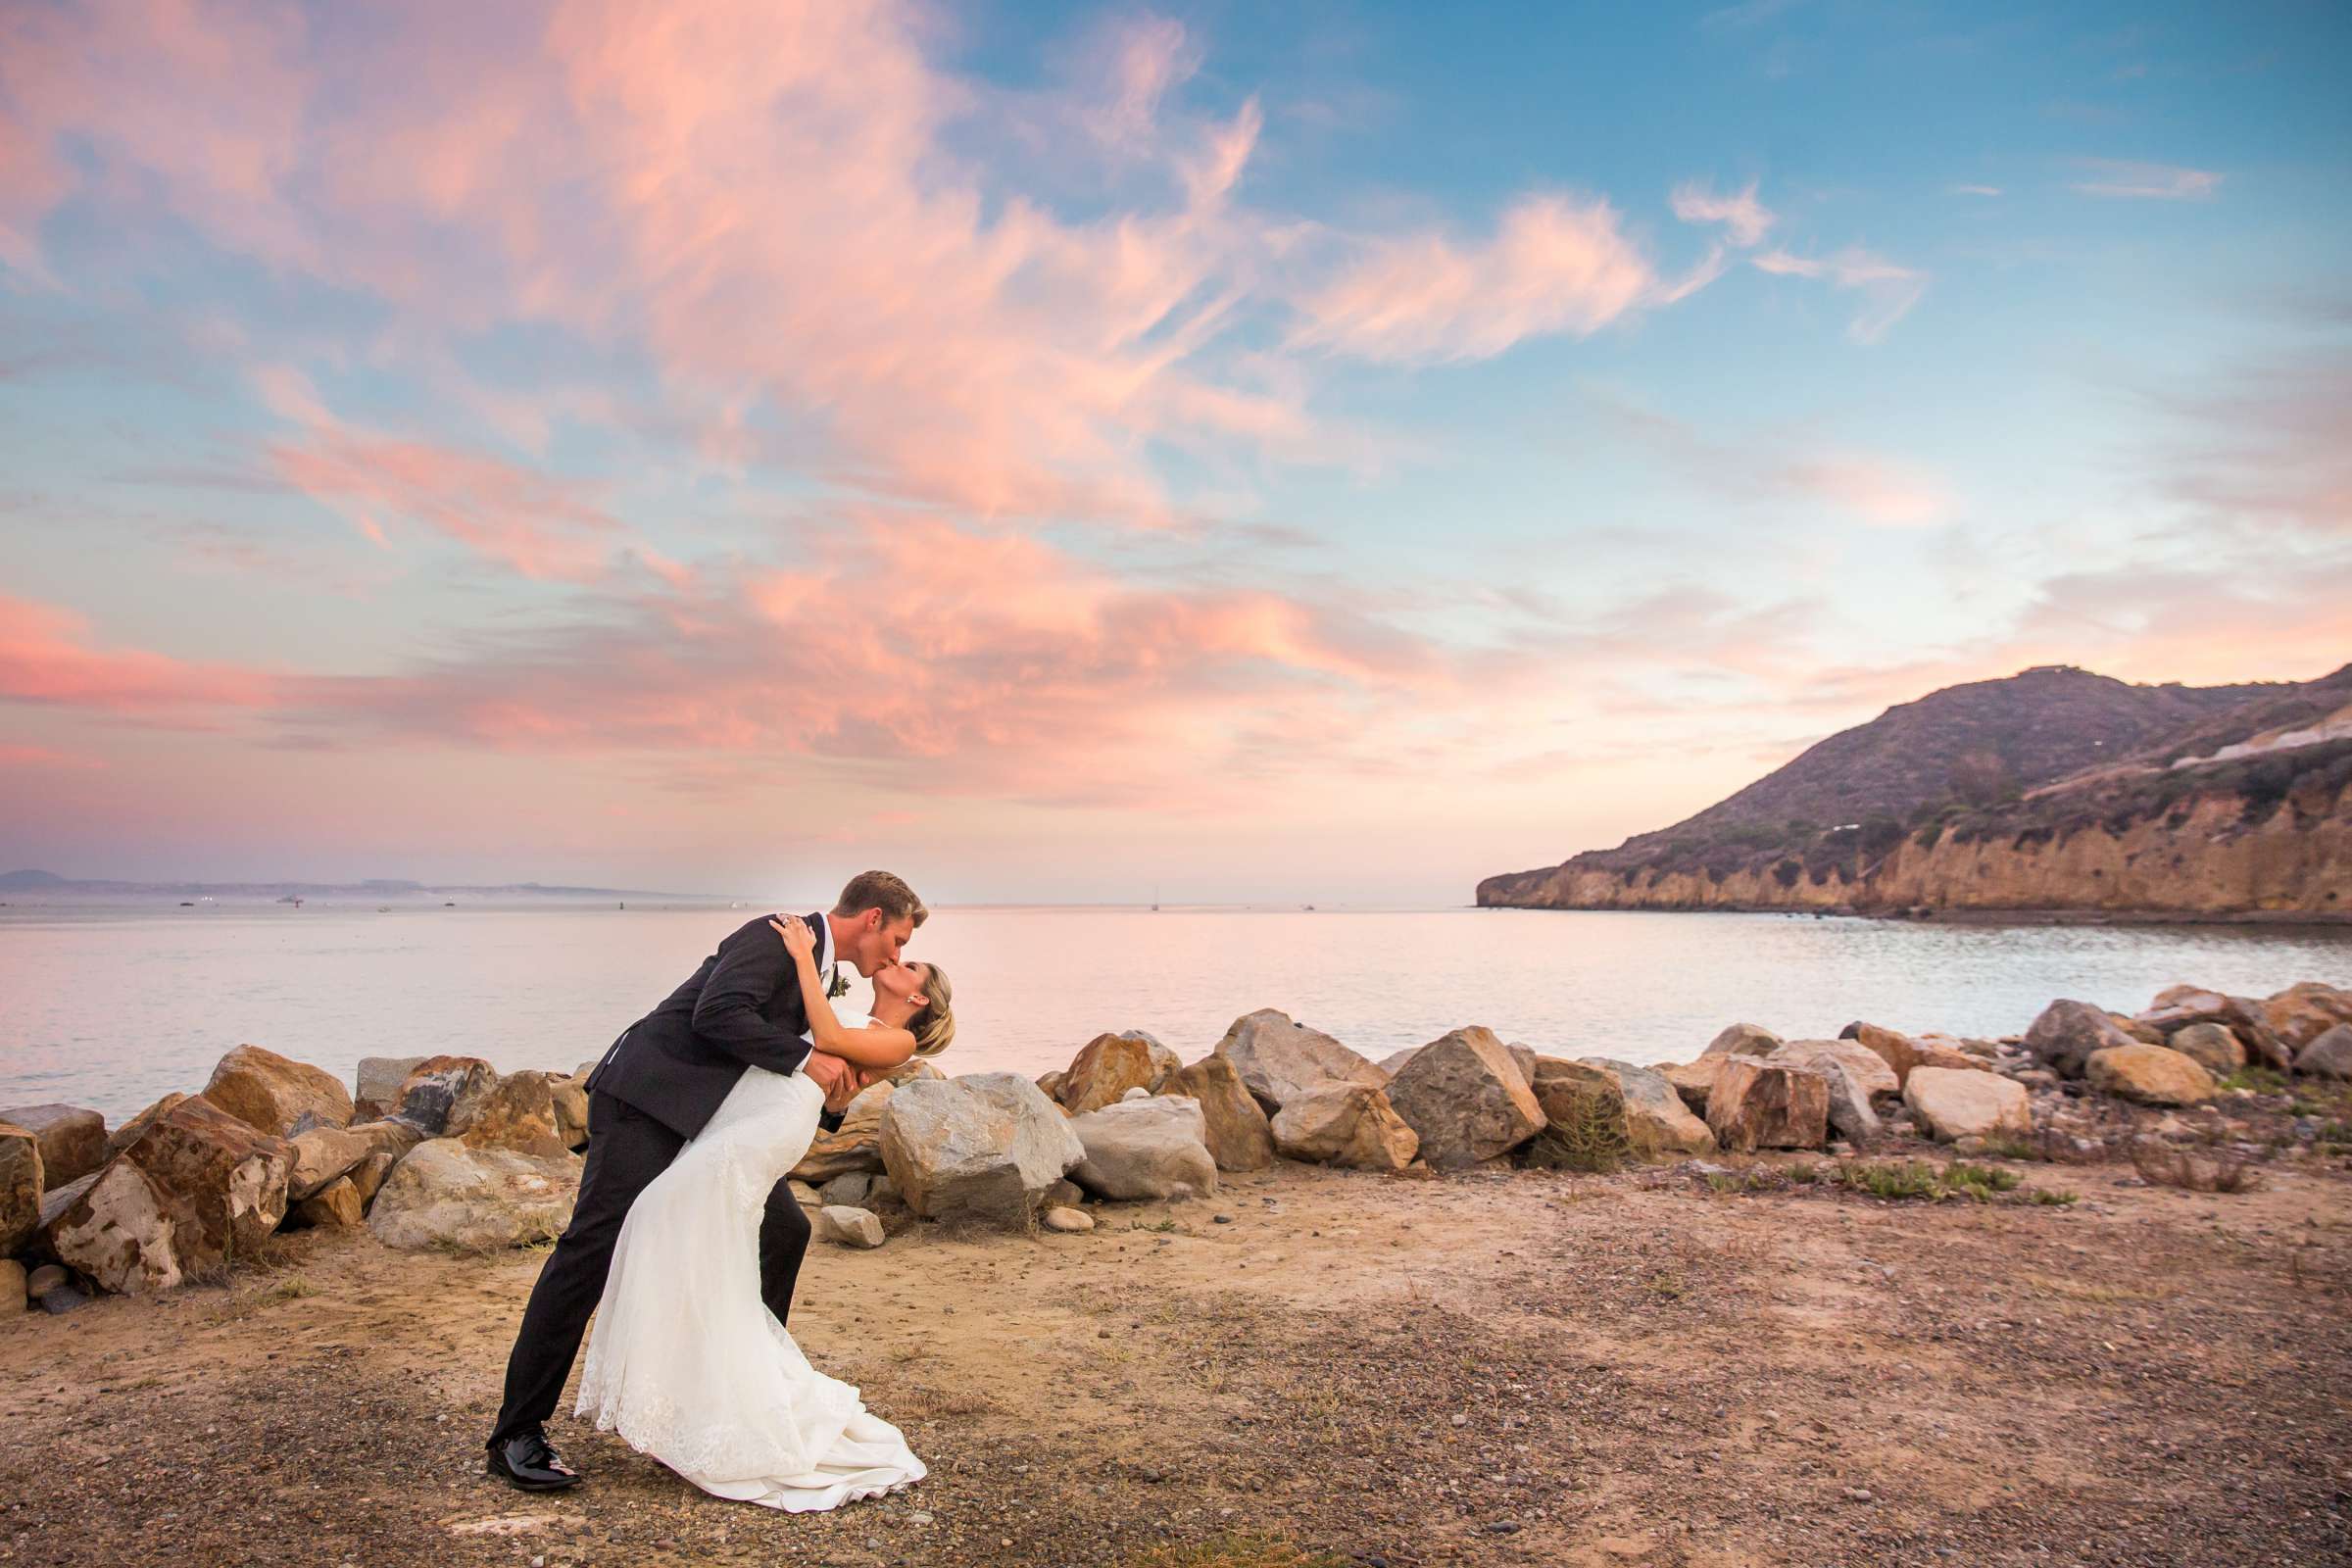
column 1524, row 1368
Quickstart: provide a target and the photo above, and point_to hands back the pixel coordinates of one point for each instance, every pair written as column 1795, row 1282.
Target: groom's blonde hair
column 879, row 890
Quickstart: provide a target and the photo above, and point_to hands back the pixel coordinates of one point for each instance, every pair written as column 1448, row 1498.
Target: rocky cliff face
column 2216, row 854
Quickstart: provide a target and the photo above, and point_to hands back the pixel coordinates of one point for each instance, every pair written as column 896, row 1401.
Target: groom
column 662, row 1081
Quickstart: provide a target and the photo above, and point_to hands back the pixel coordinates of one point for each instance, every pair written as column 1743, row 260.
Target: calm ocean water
column 111, row 1006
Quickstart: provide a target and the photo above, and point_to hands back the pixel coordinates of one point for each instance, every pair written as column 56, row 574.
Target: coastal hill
column 2055, row 789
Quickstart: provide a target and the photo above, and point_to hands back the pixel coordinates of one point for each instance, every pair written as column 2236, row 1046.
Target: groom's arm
column 730, row 1015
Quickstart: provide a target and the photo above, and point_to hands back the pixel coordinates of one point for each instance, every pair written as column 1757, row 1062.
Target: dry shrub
column 1592, row 1138
column 2162, row 1165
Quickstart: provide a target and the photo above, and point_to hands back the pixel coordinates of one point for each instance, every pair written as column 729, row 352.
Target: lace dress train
column 687, row 1363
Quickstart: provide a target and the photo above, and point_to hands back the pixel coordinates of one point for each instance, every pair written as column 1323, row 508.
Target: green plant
column 1587, row 1134
column 2057, row 1196
column 2261, row 1080
column 1978, row 1181
column 1896, row 1179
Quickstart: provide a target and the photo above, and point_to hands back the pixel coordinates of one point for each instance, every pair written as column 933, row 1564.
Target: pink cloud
column 1742, row 217
column 1871, row 489
column 1554, row 264
column 2164, row 183
column 46, row 657
column 1889, row 291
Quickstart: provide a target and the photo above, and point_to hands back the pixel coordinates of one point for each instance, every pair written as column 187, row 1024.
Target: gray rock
column 1742, row 1039
column 2213, row 1047
column 1466, row 1099
column 1656, row 1121
column 46, row 1278
column 443, row 1095
column 1856, row 1076
column 445, row 1193
column 1151, row 1147
column 2328, row 1055
column 847, row 1192
column 985, row 1145
column 2067, row 1033
column 1279, row 1059
column 375, row 1085
column 849, row 1227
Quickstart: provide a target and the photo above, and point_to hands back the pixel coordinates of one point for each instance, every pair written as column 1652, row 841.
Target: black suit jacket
column 742, row 1008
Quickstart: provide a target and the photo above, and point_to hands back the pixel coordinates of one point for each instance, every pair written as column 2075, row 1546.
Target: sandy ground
column 1531, row 1368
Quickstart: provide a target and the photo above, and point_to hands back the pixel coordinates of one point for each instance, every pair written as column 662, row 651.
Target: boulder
column 2069, row 1033
column 856, row 1145
column 1742, row 1039
column 15, row 1290
column 273, row 1094
column 1104, row 1069
column 1584, row 1116
column 121, row 1228
column 1346, row 1124
column 44, row 1278
column 448, row 1194
column 2213, row 1047
column 225, row 1179
column 1237, row 1133
column 1856, row 1076
column 1656, row 1121
column 443, row 1095
column 375, row 1085
column 1049, row 1084
column 985, row 1145
column 2330, row 1055
column 1151, row 1147
column 336, row 1206
column 73, row 1140
column 2301, row 1013
column 1952, row 1103
column 1761, row 1104
column 1396, row 1059
column 127, row 1134
column 1694, row 1080
column 570, row 1096
column 849, row 1227
column 1165, row 1063
column 328, row 1153
column 518, row 1114
column 367, row 1178
column 2148, row 1075
column 2178, row 1007
column 807, row 1196
column 1466, row 1100
column 22, row 1186
column 1898, row 1051
column 1279, row 1059
column 1068, row 1221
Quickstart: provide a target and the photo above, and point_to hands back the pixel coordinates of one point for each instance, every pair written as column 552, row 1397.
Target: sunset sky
column 1312, row 451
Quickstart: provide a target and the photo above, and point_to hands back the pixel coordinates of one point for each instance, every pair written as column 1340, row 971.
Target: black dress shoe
column 530, row 1464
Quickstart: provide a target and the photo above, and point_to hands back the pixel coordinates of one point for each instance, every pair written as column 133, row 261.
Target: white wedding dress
column 688, row 1364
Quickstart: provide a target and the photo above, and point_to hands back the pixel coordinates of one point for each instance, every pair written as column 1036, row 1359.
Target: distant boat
column 187, row 903
column 384, row 908
column 1308, row 907
column 451, row 905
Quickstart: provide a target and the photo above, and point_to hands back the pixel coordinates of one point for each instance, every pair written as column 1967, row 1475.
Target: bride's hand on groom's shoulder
column 799, row 940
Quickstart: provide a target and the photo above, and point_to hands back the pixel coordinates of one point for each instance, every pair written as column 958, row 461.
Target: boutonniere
column 836, row 987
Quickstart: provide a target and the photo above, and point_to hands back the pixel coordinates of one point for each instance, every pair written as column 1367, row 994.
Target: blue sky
column 1325, row 450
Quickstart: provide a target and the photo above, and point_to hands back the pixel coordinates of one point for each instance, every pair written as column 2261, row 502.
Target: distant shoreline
column 1967, row 917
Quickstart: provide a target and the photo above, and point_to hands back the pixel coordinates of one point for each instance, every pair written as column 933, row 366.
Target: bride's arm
column 875, row 1046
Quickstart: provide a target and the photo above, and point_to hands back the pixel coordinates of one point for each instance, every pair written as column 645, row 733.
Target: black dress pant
column 627, row 1151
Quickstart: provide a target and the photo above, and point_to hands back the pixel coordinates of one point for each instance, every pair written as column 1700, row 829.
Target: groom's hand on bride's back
column 836, row 1077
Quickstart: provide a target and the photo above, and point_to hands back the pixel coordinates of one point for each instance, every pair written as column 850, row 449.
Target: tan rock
column 127, row 1134
column 1856, row 1076
column 1466, row 1100
column 2301, row 1013
column 1154, row 1146
column 1953, row 1103
column 22, row 1186
column 570, row 1096
column 1346, row 1124
column 1050, row 1084
column 1068, row 1221
column 1742, row 1039
column 336, row 1206
column 447, row 1194
column 2148, row 1075
column 1585, row 1121
column 2213, row 1047
column 1104, row 1069
column 985, row 1145
column 1761, row 1104
column 1279, row 1059
column 15, row 1288
column 1898, row 1051
column 518, row 1114
column 1867, row 1069
column 1238, row 1134
column 225, row 1180
column 1165, row 1064
column 326, row 1154
column 856, row 1145
column 119, row 1227
column 1656, row 1121
column 1694, row 1080
column 276, row 1095
column 845, row 1226
column 73, row 1140
column 367, row 1178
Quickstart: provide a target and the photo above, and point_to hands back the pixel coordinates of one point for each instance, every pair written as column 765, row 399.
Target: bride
column 686, row 1362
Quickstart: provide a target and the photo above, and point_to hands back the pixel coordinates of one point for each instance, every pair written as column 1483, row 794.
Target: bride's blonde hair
column 934, row 1028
